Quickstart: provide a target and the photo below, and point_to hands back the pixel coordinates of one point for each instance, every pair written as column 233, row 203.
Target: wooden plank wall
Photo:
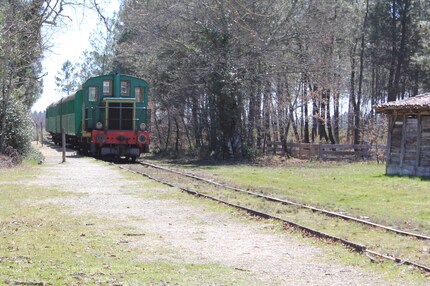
column 409, row 145
column 396, row 142
column 425, row 141
column 411, row 142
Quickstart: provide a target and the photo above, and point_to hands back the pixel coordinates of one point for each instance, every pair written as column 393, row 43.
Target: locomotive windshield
column 120, row 116
column 125, row 88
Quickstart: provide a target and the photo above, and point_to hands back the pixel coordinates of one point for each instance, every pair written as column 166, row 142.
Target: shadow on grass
column 424, row 179
column 192, row 162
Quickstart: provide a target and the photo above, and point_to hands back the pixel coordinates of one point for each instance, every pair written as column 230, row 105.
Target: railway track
column 286, row 202
column 367, row 250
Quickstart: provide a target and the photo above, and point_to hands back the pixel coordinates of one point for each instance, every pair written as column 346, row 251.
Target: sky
column 67, row 42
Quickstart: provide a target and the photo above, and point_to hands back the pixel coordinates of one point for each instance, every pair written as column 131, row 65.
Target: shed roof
column 414, row 104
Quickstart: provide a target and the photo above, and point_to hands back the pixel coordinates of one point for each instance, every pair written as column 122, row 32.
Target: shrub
column 250, row 153
column 18, row 127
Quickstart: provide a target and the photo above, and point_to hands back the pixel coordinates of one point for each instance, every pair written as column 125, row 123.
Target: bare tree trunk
column 187, row 132
column 258, row 108
column 392, row 95
column 357, row 102
column 213, row 124
column 293, row 123
column 336, row 128
column 6, row 80
column 168, row 131
column 266, row 114
column 352, row 101
column 315, row 114
column 4, row 104
column 177, row 135
column 322, row 117
column 282, row 110
column 328, row 116
column 402, row 48
column 157, row 127
column 196, row 121
column 305, row 112
column 254, row 111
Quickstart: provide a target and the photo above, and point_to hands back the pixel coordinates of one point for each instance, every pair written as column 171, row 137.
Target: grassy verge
column 40, row 244
column 360, row 189
column 333, row 253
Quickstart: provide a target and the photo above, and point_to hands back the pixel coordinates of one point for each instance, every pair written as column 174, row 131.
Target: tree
column 103, row 42
column 20, row 47
column 229, row 76
column 394, row 40
column 66, row 80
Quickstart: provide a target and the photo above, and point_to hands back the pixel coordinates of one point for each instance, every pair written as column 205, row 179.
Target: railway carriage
column 107, row 117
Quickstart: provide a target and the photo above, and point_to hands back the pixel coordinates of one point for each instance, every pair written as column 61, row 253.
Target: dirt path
column 191, row 232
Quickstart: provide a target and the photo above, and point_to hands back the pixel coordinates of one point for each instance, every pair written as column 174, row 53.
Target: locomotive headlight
column 99, row 125
column 101, row 138
column 142, row 126
column 142, row 138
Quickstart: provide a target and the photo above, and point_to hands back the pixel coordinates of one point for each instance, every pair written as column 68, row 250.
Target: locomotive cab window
column 138, row 93
column 107, row 87
column 120, row 116
column 92, row 93
column 125, row 88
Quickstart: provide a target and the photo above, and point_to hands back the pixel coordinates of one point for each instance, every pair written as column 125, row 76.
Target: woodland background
column 226, row 76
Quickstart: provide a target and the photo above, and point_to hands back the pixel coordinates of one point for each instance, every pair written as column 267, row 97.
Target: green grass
column 360, row 189
column 40, row 244
column 333, row 253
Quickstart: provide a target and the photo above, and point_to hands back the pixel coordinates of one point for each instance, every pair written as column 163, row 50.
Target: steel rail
column 352, row 245
column 287, row 202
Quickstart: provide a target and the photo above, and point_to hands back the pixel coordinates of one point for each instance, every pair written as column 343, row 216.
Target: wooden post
column 41, row 132
column 63, row 139
column 37, row 134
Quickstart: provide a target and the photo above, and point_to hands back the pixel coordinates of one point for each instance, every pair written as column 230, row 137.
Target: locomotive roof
column 93, row 78
column 114, row 74
column 63, row 99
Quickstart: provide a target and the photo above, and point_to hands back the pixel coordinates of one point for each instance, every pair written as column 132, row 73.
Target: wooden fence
column 327, row 152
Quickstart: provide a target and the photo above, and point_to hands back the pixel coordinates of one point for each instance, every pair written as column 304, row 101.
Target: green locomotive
column 108, row 116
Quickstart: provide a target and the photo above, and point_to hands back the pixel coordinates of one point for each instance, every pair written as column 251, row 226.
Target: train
column 108, row 117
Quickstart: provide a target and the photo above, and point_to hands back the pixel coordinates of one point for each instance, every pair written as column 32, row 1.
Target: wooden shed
column 408, row 144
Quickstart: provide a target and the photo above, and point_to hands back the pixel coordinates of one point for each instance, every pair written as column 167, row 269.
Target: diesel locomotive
column 107, row 117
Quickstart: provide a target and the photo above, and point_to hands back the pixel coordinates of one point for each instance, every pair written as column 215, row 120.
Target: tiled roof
column 416, row 103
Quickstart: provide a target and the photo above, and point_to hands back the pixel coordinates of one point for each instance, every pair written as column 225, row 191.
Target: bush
column 35, row 155
column 250, row 153
column 12, row 157
column 18, row 127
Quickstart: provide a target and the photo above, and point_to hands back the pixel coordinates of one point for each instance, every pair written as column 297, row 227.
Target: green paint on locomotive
column 106, row 94
column 118, row 102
